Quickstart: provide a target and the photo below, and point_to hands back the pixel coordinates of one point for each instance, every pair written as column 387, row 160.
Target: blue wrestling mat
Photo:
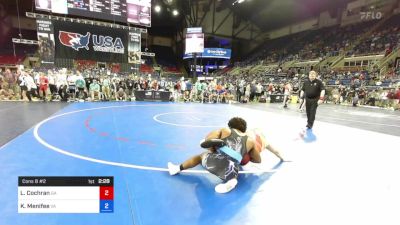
column 133, row 142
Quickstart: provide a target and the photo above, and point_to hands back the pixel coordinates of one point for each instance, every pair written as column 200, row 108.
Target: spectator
column 95, row 90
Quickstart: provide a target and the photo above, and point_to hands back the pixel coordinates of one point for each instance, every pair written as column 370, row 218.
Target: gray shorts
column 220, row 165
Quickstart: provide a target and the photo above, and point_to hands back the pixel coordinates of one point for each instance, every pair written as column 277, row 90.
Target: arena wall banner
column 216, row 53
column 85, row 41
column 45, row 33
column 134, row 48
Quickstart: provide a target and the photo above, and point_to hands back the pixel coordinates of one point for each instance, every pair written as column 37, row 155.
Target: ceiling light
column 238, row 2
column 157, row 8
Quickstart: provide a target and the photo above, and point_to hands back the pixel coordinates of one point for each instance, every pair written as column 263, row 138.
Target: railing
column 339, row 58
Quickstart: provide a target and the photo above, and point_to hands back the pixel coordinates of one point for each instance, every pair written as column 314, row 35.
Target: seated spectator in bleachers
column 383, row 97
column 122, row 84
column 88, row 81
column 228, row 97
column 63, row 92
column 335, row 96
column 189, row 87
column 247, row 92
column 391, row 98
column 372, row 97
column 343, row 94
column 120, row 95
column 105, row 89
column 186, row 96
column 361, row 96
column 154, row 85
column 397, row 98
column 80, row 85
column 71, row 79
column 6, row 93
column 10, row 78
column 95, row 90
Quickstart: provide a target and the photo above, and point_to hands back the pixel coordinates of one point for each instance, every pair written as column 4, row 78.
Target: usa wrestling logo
column 74, row 40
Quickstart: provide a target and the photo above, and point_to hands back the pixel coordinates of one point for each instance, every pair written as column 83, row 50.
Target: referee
column 314, row 91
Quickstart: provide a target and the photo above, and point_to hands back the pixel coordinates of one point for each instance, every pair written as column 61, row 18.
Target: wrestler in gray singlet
column 220, row 163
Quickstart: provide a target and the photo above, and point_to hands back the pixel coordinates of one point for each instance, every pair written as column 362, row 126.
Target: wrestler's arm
column 273, row 150
column 215, row 134
column 255, row 156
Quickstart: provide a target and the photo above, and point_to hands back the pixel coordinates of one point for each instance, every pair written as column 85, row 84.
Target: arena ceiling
column 273, row 14
column 266, row 14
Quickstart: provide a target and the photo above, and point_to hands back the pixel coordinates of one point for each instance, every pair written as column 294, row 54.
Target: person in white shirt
column 36, row 77
column 62, row 85
column 247, row 93
column 384, row 98
column 52, row 84
column 183, row 87
column 106, row 88
column 22, row 85
column 61, row 79
column 259, row 89
column 31, row 86
column 286, row 94
column 71, row 85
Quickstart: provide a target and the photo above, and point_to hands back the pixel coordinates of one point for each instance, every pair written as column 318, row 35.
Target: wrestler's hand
column 212, row 143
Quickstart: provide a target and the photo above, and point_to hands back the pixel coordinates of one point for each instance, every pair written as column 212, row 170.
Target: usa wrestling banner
column 84, row 41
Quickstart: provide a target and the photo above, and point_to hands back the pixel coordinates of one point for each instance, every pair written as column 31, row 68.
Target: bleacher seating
column 11, row 59
column 383, row 40
column 144, row 68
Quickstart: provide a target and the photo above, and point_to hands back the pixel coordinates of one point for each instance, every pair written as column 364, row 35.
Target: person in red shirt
column 397, row 95
column 43, row 85
column 397, row 98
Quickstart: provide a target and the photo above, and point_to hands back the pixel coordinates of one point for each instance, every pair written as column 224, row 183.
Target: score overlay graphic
column 65, row 194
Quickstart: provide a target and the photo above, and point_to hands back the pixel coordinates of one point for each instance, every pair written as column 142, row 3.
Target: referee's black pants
column 311, row 109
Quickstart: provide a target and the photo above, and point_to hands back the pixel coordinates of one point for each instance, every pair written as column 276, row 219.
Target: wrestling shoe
column 226, row 187
column 173, row 169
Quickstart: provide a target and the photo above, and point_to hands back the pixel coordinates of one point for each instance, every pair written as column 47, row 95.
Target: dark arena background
column 106, row 105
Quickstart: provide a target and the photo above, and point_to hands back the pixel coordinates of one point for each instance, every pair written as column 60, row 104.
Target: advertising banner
column 45, row 33
column 217, row 53
column 134, row 48
column 85, row 41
